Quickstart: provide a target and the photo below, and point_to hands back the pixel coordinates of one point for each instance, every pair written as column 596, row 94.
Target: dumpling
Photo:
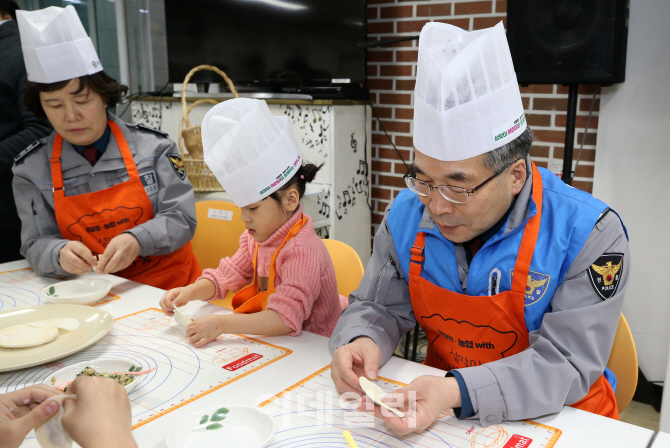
column 181, row 318
column 51, row 434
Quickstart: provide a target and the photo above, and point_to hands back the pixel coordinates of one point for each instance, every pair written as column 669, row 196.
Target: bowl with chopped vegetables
column 126, row 372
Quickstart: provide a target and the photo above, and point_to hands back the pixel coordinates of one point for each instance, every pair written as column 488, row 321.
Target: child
column 256, row 159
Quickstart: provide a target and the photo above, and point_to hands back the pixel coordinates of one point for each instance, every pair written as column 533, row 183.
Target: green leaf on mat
column 204, row 419
column 220, row 414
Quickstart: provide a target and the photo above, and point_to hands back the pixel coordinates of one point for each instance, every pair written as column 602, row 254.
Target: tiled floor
column 641, row 415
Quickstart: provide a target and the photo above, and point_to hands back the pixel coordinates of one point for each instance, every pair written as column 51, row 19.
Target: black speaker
column 568, row 41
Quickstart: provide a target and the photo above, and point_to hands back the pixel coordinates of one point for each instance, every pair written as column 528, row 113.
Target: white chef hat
column 466, row 100
column 251, row 152
column 55, row 45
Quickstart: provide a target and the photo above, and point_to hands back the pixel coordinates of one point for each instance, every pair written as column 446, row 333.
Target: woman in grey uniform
column 98, row 193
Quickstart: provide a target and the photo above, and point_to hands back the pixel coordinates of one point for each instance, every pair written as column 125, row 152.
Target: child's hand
column 205, row 329
column 174, row 298
column 203, row 289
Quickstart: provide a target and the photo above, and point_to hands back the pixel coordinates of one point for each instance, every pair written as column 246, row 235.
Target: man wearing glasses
column 516, row 278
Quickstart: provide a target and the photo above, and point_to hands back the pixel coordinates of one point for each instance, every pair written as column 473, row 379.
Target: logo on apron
column 605, row 274
column 467, row 351
column 106, row 224
column 536, row 286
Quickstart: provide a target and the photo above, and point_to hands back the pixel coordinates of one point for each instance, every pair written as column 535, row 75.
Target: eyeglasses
column 457, row 195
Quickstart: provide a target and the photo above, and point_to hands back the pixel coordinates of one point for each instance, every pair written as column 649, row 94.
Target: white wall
column 632, row 176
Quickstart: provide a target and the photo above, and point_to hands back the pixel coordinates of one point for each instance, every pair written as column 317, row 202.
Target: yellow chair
column 623, row 362
column 214, row 238
column 348, row 266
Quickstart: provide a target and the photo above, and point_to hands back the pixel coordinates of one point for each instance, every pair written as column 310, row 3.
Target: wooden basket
column 199, row 174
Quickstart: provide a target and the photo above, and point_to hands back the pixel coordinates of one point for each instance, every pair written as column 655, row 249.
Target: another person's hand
column 76, row 258
column 352, row 361
column 121, row 251
column 22, row 410
column 202, row 289
column 422, row 401
column 205, row 329
column 100, row 416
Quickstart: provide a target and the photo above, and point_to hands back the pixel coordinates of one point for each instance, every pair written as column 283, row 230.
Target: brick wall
column 391, row 77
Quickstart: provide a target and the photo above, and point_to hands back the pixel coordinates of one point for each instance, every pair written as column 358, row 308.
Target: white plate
column 112, row 365
column 94, row 323
column 243, row 427
column 84, row 291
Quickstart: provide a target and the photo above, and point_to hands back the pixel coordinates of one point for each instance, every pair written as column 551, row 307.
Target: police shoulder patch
column 605, row 274
column 156, row 131
column 177, row 165
column 28, row 149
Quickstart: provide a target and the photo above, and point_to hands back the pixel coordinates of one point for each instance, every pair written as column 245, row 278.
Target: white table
column 310, row 353
column 662, row 440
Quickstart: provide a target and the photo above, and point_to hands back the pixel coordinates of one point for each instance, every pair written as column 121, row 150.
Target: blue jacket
column 568, row 217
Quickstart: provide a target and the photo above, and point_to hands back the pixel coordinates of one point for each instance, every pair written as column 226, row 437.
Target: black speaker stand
column 570, row 133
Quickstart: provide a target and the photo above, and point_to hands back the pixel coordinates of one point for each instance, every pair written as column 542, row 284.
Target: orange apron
column 481, row 329
column 97, row 217
column 250, row 299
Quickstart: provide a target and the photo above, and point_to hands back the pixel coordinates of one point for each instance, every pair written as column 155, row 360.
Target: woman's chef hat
column 55, row 45
column 466, row 100
column 251, row 152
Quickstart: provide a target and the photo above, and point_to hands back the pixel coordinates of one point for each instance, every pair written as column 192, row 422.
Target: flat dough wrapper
column 24, row 336
column 376, row 394
column 65, row 323
column 181, row 318
column 51, row 434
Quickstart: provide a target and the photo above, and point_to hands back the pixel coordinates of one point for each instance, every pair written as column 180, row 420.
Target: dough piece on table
column 66, row 323
column 51, row 434
column 23, row 336
column 181, row 318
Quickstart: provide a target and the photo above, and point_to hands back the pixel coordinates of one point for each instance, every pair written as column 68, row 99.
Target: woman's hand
column 121, row 251
column 22, row 410
column 100, row 415
column 76, row 258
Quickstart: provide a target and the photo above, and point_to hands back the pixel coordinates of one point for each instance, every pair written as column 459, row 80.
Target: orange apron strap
column 416, row 258
column 530, row 233
column 56, row 171
column 125, row 150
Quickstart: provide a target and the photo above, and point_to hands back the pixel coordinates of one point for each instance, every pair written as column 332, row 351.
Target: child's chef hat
column 466, row 100
column 55, row 45
column 251, row 152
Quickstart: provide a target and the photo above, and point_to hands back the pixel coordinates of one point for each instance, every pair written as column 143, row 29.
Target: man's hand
column 421, row 401
column 205, row 329
column 358, row 358
column 22, row 410
column 120, row 253
column 76, row 258
column 100, row 416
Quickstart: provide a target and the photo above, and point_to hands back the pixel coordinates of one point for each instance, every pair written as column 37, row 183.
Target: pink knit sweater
column 305, row 286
